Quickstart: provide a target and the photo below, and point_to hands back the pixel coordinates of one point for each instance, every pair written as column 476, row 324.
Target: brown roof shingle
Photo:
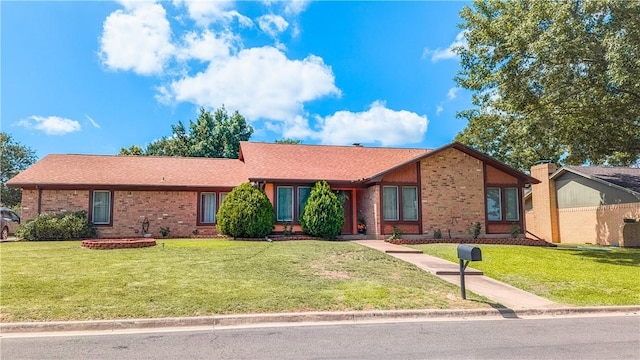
column 268, row 161
column 131, row 171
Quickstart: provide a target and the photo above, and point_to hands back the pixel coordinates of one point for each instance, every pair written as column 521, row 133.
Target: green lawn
column 63, row 281
column 570, row 275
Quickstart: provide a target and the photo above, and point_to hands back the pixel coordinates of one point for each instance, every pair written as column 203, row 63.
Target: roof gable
column 131, row 171
column 625, row 178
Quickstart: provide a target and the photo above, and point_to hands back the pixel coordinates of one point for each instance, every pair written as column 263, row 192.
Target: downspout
column 39, row 200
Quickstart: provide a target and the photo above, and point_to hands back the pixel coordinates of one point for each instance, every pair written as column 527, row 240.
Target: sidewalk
column 504, row 294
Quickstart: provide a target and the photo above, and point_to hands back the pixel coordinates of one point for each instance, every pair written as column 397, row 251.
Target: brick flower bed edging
column 489, row 241
column 110, row 244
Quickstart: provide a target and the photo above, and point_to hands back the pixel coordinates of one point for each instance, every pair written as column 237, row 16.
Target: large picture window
column 101, row 207
column 284, row 203
column 303, row 196
column 502, row 204
column 207, row 208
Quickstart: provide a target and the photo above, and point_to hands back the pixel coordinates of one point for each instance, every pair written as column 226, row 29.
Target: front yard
column 63, row 281
column 571, row 275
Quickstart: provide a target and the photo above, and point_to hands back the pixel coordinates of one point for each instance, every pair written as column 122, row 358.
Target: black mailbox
column 469, row 253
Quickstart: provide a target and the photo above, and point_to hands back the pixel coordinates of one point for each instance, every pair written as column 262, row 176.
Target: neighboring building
column 415, row 190
column 584, row 204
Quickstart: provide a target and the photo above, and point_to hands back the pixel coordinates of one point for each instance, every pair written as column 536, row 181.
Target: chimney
column 545, row 208
column 357, row 144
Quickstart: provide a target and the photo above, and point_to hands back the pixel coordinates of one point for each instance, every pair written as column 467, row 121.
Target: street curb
column 273, row 318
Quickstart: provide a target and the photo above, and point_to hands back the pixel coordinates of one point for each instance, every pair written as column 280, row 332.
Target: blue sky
column 92, row 77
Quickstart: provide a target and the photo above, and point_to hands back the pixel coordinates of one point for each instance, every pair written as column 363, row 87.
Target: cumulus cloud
column 137, row 38
column 295, row 7
column 260, row 82
column 206, row 46
column 206, row 12
column 448, row 53
column 452, row 93
column 51, row 125
column 376, row 125
column 272, row 25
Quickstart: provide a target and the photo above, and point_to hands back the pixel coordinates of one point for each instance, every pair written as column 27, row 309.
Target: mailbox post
column 467, row 253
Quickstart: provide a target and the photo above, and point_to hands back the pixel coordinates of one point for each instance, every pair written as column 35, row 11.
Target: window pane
column 101, row 212
column 494, row 207
column 303, row 196
column 222, row 196
column 208, row 208
column 511, row 204
column 390, row 202
column 409, row 203
column 285, row 203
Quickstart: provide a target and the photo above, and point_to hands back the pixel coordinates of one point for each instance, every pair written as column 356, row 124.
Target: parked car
column 9, row 221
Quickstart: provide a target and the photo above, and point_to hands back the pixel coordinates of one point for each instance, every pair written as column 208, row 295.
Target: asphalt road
column 613, row 337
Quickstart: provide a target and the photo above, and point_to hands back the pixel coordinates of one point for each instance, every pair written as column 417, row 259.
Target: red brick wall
column 452, row 193
column 29, row 206
column 53, row 201
column 368, row 208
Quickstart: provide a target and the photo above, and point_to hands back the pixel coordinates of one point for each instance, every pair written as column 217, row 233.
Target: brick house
column 584, row 204
column 416, row 190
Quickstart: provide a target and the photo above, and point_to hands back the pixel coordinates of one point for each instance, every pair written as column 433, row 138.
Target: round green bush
column 323, row 214
column 246, row 212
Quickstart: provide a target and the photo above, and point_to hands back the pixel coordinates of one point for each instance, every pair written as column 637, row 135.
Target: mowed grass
column 63, row 281
column 570, row 275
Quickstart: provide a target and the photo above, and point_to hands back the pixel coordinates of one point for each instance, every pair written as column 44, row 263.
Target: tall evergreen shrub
column 246, row 212
column 323, row 215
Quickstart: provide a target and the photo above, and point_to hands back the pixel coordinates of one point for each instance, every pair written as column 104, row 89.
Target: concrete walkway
column 502, row 293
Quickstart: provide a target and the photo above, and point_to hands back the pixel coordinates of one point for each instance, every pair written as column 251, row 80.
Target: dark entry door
column 348, row 216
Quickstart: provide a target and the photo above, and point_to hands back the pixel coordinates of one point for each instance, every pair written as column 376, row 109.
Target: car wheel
column 5, row 233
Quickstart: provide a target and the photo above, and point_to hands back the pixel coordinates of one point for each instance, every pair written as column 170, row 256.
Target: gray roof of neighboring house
column 624, row 177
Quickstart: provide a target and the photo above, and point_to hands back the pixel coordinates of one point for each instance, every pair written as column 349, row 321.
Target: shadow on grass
column 626, row 257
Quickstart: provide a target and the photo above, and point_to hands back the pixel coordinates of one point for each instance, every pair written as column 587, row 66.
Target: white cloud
column 448, row 53
column 51, row 125
column 206, row 12
column 295, row 7
column 137, row 39
column 272, row 25
column 259, row 82
column 451, row 94
column 93, row 122
column 376, row 125
column 206, row 46
column 439, row 110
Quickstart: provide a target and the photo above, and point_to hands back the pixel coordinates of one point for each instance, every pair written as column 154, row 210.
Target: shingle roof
column 268, row 161
column 626, row 177
column 134, row 171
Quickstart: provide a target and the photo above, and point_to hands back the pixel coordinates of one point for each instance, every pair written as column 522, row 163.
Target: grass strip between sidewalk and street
column 573, row 275
column 45, row 281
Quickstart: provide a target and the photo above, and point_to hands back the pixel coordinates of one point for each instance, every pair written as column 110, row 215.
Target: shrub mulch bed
column 491, row 241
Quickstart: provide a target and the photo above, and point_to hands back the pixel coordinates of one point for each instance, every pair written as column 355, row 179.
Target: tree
column 553, row 80
column 13, row 159
column 289, row 141
column 246, row 212
column 211, row 135
column 323, row 214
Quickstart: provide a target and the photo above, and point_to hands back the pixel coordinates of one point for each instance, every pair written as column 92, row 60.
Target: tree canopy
column 14, row 158
column 554, row 80
column 216, row 135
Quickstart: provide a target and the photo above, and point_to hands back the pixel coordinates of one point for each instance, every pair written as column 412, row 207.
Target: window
column 101, row 208
column 207, row 207
column 494, row 204
column 222, row 196
column 303, row 196
column 511, row 204
column 499, row 210
column 390, row 203
column 284, row 204
column 409, row 203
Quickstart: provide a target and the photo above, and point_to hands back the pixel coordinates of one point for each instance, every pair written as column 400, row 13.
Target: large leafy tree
column 557, row 80
column 14, row 158
column 214, row 135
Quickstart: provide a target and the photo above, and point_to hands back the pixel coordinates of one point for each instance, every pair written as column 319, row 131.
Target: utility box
column 469, row 253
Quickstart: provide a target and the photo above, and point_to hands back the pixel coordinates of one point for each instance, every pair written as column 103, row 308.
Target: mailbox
column 469, row 253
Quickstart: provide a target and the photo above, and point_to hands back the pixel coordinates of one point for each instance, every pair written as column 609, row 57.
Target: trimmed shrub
column 323, row 215
column 246, row 212
column 67, row 226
